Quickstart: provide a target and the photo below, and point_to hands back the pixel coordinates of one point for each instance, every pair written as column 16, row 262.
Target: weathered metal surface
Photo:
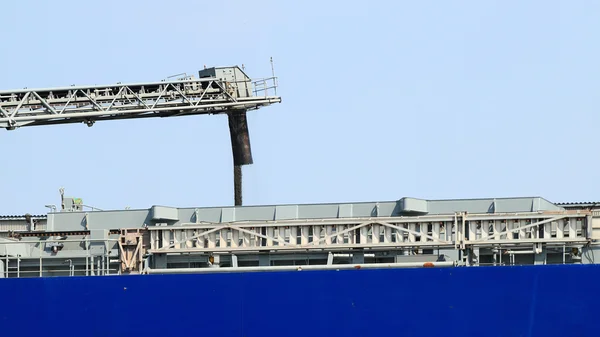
column 237, row 185
column 240, row 138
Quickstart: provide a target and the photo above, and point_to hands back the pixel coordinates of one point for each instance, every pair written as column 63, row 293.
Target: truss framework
column 131, row 249
column 89, row 104
column 458, row 231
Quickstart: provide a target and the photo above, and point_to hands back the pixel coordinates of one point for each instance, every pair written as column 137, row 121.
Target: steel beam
column 301, row 268
column 88, row 104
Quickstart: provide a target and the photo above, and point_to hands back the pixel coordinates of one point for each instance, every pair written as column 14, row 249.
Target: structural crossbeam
column 453, row 231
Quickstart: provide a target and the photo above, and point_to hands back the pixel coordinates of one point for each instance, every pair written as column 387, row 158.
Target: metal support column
column 358, row 257
column 264, row 260
column 540, row 258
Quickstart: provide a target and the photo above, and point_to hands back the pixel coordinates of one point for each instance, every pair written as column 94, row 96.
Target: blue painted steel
column 479, row 301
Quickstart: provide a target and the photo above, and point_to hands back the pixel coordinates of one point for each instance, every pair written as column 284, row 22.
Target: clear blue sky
column 381, row 99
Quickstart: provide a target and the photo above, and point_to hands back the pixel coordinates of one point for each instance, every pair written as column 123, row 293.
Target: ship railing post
column 500, row 254
column 40, row 259
column 588, row 227
column 463, row 230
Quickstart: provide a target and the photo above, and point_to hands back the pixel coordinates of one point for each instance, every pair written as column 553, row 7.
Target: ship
column 521, row 266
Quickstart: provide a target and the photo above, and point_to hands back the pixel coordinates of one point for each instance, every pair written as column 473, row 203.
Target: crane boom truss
column 88, row 104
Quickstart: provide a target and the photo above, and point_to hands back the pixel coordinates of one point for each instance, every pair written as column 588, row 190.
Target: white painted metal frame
column 454, row 231
column 93, row 103
column 549, row 228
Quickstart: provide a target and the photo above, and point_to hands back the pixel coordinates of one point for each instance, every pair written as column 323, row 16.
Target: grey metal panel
column 208, row 215
column 366, row 209
column 317, row 211
column 413, row 205
column 98, row 247
column 286, row 212
column 77, row 221
column 514, row 205
column 387, row 209
column 243, row 83
column 186, row 215
column 66, row 249
column 452, row 206
column 227, row 214
column 545, row 205
column 70, row 249
column 499, row 205
column 18, row 249
column 99, row 234
column 66, row 253
column 345, row 211
column 415, row 258
column 164, row 213
column 255, row 213
column 65, row 221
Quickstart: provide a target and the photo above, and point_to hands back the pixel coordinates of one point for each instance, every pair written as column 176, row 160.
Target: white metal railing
column 263, row 87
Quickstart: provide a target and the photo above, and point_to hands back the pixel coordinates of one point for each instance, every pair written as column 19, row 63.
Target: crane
column 217, row 90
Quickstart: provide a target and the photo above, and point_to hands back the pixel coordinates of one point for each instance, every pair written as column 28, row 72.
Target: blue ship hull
column 479, row 301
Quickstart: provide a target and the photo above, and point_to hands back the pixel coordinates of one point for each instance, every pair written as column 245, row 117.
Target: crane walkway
column 218, row 90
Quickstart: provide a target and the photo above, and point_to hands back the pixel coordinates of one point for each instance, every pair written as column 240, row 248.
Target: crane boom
column 219, row 90
column 223, row 90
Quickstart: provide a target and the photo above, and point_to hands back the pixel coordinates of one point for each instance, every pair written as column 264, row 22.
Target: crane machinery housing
column 410, row 266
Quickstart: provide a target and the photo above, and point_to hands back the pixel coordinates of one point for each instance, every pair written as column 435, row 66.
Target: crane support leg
column 240, row 148
column 240, row 138
column 237, row 184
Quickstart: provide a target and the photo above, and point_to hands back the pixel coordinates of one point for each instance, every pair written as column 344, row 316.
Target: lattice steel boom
column 219, row 90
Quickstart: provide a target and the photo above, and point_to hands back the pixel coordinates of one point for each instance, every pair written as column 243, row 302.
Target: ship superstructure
column 409, row 232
